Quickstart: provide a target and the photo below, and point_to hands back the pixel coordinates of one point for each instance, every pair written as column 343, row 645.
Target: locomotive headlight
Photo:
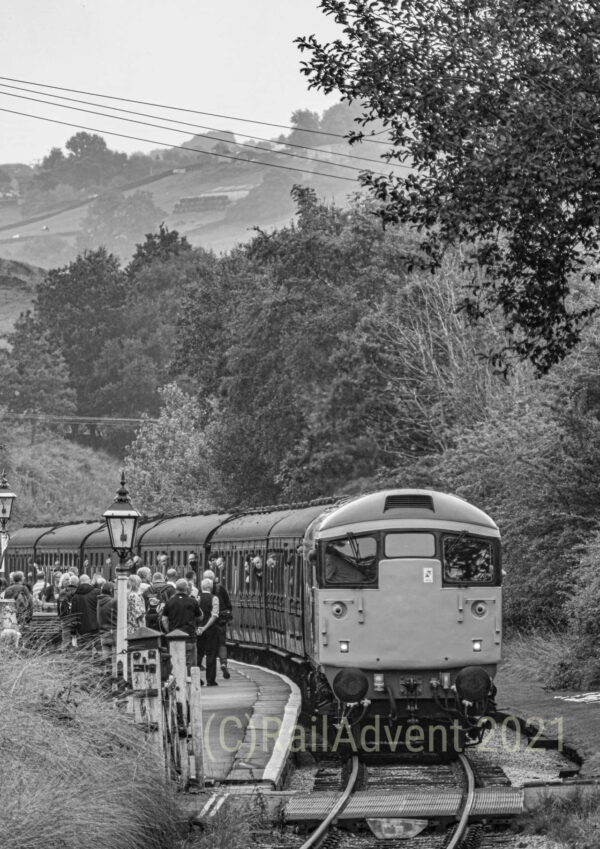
column 378, row 682
column 477, row 644
column 344, row 645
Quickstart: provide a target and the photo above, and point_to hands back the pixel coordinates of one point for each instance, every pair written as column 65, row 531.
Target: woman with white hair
column 136, row 608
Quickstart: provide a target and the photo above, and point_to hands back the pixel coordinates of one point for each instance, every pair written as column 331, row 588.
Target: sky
column 232, row 57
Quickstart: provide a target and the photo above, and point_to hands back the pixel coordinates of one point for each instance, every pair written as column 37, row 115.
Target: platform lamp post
column 121, row 520
column 6, row 502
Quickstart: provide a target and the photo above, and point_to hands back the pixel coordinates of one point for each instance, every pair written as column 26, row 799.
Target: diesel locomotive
column 385, row 608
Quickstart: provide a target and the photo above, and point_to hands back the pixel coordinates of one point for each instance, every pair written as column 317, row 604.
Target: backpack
column 65, row 605
column 23, row 606
column 155, row 601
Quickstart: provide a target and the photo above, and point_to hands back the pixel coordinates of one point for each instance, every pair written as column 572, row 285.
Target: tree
column 166, row 464
column 80, row 306
column 492, row 108
column 83, row 145
column 54, row 159
column 35, row 378
column 159, row 246
column 304, row 119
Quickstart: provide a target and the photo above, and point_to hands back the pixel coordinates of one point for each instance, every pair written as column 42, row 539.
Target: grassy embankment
column 76, row 773
column 573, row 823
column 73, row 772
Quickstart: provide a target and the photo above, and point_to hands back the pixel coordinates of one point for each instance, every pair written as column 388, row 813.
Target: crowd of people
column 87, row 609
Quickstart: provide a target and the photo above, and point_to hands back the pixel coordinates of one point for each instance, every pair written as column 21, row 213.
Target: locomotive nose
column 350, row 685
column 473, row 684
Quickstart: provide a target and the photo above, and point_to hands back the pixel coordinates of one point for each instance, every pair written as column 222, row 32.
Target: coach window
column 409, row 545
column 349, row 560
column 467, row 559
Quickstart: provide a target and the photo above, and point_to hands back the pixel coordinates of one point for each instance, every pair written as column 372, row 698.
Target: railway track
column 340, row 829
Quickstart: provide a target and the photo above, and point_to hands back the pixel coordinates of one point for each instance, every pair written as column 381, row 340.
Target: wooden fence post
column 196, row 724
column 177, row 640
column 146, row 682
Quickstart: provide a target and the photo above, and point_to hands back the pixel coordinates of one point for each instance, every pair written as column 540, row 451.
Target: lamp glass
column 6, row 502
column 121, row 529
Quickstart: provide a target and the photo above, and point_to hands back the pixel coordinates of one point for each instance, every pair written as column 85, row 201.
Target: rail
column 337, row 808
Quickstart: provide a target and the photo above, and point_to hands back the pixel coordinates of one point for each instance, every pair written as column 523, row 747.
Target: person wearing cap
column 181, row 612
column 208, row 638
column 225, row 613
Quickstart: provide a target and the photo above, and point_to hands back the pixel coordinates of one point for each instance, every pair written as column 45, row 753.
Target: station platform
column 248, row 724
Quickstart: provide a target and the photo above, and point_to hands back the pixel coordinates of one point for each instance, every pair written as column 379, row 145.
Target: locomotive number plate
column 427, row 575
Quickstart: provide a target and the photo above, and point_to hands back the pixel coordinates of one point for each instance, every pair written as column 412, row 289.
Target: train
column 385, row 608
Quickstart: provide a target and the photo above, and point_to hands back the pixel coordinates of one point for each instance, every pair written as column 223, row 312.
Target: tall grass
column 572, row 822
column 559, row 661
column 74, row 773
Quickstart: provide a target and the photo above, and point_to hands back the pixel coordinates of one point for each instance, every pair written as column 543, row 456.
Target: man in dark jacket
column 64, row 607
column 155, row 598
column 183, row 613
column 106, row 613
column 83, row 608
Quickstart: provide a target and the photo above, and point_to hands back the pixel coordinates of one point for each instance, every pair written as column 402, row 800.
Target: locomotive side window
column 467, row 559
column 350, row 560
column 409, row 545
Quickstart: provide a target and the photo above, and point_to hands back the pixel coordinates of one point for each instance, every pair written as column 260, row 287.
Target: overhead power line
column 186, row 123
column 182, row 147
column 174, row 130
column 189, row 111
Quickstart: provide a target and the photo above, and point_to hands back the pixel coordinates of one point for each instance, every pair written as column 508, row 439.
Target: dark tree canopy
column 492, row 107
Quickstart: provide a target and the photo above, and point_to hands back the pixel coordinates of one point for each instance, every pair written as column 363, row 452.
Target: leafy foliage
column 35, row 377
column 491, row 107
column 167, row 463
column 80, row 306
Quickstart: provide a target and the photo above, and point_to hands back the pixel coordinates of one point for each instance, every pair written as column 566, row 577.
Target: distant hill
column 215, row 203
column 17, row 289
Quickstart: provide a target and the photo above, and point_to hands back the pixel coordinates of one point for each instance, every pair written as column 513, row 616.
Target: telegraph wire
column 181, row 147
column 191, row 111
column 186, row 123
column 174, row 130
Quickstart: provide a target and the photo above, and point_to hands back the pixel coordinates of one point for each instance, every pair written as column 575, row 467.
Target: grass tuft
column 573, row 821
column 75, row 773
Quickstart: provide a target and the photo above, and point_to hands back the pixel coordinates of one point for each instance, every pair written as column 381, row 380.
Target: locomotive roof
column 286, row 523
column 407, row 504
column 183, row 530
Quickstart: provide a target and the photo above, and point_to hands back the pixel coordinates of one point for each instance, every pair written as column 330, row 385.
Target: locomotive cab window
column 409, row 545
column 467, row 559
column 348, row 561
